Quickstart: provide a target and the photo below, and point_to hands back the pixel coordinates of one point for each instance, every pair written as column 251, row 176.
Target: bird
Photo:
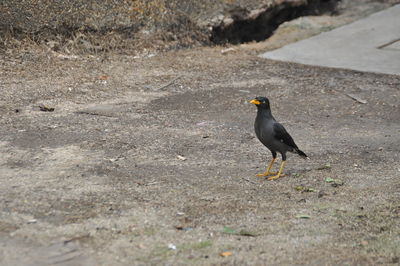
column 274, row 136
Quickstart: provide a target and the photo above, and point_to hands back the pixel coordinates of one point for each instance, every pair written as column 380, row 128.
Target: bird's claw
column 275, row 177
column 267, row 174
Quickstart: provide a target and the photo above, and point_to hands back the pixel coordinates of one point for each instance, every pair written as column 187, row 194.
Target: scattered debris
column 243, row 232
column 90, row 112
column 182, row 158
column 53, row 126
column 64, row 56
column 151, row 183
column 168, row 84
column 334, row 182
column 337, row 183
column 119, row 157
column 182, row 228
column 325, row 167
column 299, row 188
column 171, row 246
column 321, row 194
column 225, row 254
column 142, row 183
column 303, row 216
column 296, row 174
column 356, row 98
column 77, row 238
column 45, row 108
column 203, row 123
column 227, row 50
column 304, row 189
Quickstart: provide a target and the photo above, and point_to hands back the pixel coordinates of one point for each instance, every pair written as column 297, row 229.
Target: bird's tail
column 302, row 154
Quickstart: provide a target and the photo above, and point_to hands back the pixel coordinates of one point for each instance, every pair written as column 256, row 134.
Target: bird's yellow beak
column 254, row 101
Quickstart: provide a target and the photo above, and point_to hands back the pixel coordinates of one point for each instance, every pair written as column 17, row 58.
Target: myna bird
column 273, row 135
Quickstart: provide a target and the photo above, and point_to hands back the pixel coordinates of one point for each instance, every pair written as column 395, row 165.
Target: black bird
column 273, row 135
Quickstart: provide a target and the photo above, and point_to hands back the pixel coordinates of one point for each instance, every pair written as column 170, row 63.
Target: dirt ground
column 150, row 160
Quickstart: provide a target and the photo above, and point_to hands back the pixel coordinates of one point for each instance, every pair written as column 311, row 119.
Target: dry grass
column 128, row 26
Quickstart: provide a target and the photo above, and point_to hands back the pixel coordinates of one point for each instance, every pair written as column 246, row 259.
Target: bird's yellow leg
column 279, row 173
column 267, row 172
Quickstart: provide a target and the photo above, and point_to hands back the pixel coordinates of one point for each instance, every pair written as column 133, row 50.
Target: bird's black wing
column 281, row 134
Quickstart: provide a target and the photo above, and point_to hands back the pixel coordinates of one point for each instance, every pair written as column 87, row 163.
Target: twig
column 355, row 98
column 168, row 84
column 151, row 183
column 351, row 96
column 93, row 113
column 76, row 238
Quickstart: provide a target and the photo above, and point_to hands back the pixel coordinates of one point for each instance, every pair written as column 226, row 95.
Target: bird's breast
column 264, row 130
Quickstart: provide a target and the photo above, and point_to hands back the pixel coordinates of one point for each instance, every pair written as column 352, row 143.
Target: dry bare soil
column 152, row 160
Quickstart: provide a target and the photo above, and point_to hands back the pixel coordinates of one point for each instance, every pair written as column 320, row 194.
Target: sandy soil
column 152, row 160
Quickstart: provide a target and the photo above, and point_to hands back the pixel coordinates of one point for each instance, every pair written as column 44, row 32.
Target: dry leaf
column 225, row 254
column 45, row 108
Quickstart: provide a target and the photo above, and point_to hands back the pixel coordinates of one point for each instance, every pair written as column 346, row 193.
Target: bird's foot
column 275, row 176
column 267, row 174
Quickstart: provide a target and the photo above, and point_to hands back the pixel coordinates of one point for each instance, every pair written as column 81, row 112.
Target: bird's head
column 261, row 102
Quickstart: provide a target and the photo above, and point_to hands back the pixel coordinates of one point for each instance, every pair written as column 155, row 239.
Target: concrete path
column 371, row 44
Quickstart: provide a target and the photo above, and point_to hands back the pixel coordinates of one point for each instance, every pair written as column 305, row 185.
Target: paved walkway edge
column 370, row 44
